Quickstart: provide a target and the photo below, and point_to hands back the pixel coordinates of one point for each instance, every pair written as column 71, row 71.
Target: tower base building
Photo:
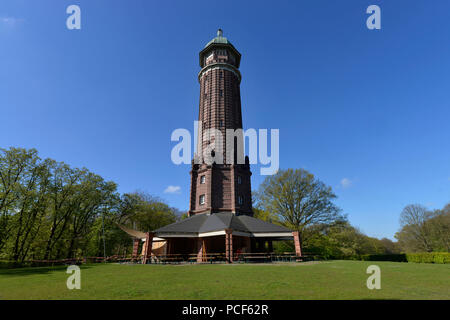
column 220, row 222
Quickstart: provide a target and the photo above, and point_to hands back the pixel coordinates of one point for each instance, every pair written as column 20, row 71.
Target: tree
column 16, row 165
column 183, row 216
column 63, row 185
column 145, row 212
column 298, row 199
column 389, row 246
column 424, row 230
column 439, row 229
column 93, row 197
column 266, row 216
column 33, row 200
column 47, row 209
column 414, row 228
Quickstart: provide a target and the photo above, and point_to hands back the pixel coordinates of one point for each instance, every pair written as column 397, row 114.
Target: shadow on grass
column 384, row 299
column 36, row 270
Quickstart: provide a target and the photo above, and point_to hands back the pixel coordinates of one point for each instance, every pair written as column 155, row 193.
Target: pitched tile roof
column 220, row 221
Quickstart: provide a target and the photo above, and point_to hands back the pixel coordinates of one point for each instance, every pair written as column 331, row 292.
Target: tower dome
column 219, row 39
column 217, row 43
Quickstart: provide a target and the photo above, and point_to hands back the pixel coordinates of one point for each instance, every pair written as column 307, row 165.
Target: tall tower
column 225, row 186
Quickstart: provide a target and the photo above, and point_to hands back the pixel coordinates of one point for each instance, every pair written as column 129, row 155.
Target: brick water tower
column 221, row 226
column 224, row 186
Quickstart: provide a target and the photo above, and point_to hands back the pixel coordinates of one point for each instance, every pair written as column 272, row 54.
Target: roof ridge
column 179, row 222
column 260, row 221
column 216, row 217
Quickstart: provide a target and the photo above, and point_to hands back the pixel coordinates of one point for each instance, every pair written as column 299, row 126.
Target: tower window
column 239, row 180
column 220, row 123
column 240, row 200
column 202, row 179
column 221, row 92
column 202, row 199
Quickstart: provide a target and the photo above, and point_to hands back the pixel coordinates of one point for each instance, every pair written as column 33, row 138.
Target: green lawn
column 322, row 280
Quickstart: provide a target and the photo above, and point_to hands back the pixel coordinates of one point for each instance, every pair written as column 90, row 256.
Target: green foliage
column 297, row 198
column 267, row 216
column 49, row 210
column 423, row 257
column 340, row 240
column 423, row 230
column 145, row 212
column 283, row 246
column 429, row 257
column 384, row 257
column 184, row 216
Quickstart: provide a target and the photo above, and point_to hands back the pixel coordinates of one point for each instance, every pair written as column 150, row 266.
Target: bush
column 442, row 257
column 384, row 257
column 5, row 264
column 423, row 257
column 429, row 257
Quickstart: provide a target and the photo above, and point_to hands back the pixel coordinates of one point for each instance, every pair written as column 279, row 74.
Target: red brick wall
column 229, row 245
column 220, row 108
column 298, row 248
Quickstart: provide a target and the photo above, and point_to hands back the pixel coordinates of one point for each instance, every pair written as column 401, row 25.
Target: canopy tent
column 133, row 233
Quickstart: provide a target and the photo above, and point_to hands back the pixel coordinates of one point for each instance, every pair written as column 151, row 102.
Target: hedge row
column 384, row 257
column 425, row 257
column 433, row 257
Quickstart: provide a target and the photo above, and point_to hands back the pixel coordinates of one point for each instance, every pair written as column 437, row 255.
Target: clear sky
column 366, row 111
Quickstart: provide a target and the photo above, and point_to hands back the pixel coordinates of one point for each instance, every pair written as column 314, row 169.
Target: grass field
column 321, row 280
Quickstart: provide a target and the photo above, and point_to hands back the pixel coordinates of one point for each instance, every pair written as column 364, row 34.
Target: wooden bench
column 249, row 258
column 210, row 259
column 167, row 258
column 254, row 256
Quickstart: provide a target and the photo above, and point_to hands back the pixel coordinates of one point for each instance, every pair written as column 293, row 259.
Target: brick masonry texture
column 226, row 187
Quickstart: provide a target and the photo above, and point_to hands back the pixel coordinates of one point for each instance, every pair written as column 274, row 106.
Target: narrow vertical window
column 239, row 180
column 240, row 200
column 202, row 179
column 202, row 199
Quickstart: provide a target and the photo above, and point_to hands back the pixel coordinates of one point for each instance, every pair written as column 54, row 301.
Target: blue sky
column 366, row 111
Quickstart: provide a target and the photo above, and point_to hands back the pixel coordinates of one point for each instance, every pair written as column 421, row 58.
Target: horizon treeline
column 421, row 231
column 49, row 210
column 295, row 198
